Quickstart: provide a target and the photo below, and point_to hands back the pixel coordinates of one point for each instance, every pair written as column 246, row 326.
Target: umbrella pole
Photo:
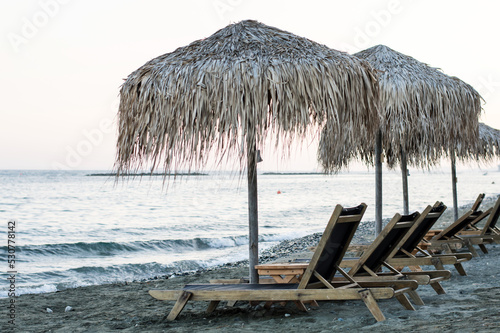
column 378, row 183
column 454, row 186
column 253, row 222
column 404, row 173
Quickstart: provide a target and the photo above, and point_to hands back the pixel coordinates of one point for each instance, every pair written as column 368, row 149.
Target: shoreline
column 365, row 234
column 470, row 305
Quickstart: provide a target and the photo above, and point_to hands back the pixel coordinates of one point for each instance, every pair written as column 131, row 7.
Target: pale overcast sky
column 62, row 61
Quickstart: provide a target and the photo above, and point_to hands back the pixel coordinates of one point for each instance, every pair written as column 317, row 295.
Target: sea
column 80, row 228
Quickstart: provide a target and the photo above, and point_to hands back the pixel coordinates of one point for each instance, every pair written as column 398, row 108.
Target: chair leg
column 212, row 306
column 416, row 297
column 405, row 302
column 179, row 305
column 460, row 269
column 301, row 306
column 231, row 303
column 437, row 263
column 438, row 288
column 371, row 304
column 447, row 249
column 483, row 248
column 472, row 250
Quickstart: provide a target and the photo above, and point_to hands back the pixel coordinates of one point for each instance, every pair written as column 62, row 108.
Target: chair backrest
column 390, row 238
column 333, row 244
column 452, row 230
column 477, row 203
column 424, row 223
column 493, row 219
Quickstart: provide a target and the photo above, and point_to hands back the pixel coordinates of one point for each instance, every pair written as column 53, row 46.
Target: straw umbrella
column 489, row 143
column 246, row 80
column 487, row 148
column 424, row 113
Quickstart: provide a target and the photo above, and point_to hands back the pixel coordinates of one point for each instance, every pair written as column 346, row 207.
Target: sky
column 62, row 61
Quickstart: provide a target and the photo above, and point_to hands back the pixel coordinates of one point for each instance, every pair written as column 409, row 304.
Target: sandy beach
column 471, row 305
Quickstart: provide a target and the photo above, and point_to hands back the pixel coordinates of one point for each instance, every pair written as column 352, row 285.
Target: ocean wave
column 104, row 249
column 96, row 275
column 45, row 288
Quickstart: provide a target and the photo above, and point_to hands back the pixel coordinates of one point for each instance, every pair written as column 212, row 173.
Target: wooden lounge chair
column 314, row 284
column 455, row 235
column 366, row 269
column 475, row 213
column 375, row 257
column 489, row 229
column 413, row 256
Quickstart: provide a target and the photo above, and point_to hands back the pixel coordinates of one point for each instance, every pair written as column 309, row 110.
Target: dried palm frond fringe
column 488, row 147
column 247, row 79
column 424, row 112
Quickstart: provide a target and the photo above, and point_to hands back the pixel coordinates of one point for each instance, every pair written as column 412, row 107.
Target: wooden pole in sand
column 404, row 173
column 378, row 183
column 454, row 186
column 253, row 215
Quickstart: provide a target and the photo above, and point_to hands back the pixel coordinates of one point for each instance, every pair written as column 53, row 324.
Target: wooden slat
column 280, row 271
column 421, row 279
column 273, row 295
column 397, row 285
column 479, row 239
column 348, row 218
column 446, row 274
column 465, row 256
column 445, row 260
column 286, row 265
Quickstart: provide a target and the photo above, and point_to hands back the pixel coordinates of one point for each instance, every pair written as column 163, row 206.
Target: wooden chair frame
column 413, row 256
column 306, row 290
column 458, row 234
column 376, row 256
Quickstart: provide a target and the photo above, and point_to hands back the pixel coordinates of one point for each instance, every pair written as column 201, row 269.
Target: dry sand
column 472, row 304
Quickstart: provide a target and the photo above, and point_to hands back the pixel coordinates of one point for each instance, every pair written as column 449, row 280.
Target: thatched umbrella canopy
column 424, row 113
column 247, row 79
column 489, row 142
column 488, row 147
